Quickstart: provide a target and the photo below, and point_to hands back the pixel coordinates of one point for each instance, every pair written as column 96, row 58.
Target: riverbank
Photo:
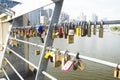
column 115, row 32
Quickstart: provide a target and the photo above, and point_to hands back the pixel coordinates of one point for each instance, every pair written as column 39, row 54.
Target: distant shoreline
column 115, row 32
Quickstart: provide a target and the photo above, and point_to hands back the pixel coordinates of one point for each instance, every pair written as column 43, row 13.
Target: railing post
column 0, row 34
column 48, row 40
column 26, row 46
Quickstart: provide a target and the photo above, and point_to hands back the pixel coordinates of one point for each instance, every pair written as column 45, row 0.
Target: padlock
column 15, row 31
column 81, row 65
column 15, row 43
column 60, row 32
column 22, row 32
column 83, row 30
column 31, row 32
column 89, row 31
column 101, row 30
column 71, row 32
column 49, row 55
column 70, row 39
column 1, row 71
column 116, row 72
column 54, row 34
column 65, row 58
column 68, row 65
column 34, row 32
column 75, row 66
column 37, row 52
column 65, row 30
column 19, row 32
column 94, row 30
column 27, row 32
column 57, row 60
column 8, row 51
column 12, row 33
column 4, row 62
column 78, row 31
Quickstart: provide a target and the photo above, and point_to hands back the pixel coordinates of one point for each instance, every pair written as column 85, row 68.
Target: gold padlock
column 101, row 30
column 8, row 51
column 22, row 32
column 81, row 65
column 70, row 39
column 94, row 30
column 31, row 33
column 12, row 33
column 89, row 31
column 13, row 43
column 19, row 32
column 116, row 72
column 26, row 35
column 37, row 52
column 54, row 34
column 1, row 71
column 65, row 30
column 57, row 60
column 34, row 33
column 4, row 62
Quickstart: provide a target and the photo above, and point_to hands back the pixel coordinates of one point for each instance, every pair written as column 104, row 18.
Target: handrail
column 92, row 59
column 27, row 12
column 5, row 74
column 23, row 58
column 48, row 75
column 27, row 42
column 14, row 69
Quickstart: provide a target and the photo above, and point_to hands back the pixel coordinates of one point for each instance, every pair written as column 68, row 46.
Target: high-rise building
column 9, row 3
column 40, row 16
column 82, row 17
column 94, row 17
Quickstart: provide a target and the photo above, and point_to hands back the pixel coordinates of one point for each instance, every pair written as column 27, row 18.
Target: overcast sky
column 109, row 9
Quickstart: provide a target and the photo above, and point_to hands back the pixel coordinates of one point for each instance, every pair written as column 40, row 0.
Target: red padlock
column 60, row 32
column 68, row 65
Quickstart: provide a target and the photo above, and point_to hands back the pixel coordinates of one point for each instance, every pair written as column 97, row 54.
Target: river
column 106, row 48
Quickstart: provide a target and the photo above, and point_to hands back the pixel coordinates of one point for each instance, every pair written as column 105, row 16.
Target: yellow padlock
column 48, row 53
column 78, row 31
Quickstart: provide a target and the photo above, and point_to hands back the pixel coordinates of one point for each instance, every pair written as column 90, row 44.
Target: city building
column 94, row 17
